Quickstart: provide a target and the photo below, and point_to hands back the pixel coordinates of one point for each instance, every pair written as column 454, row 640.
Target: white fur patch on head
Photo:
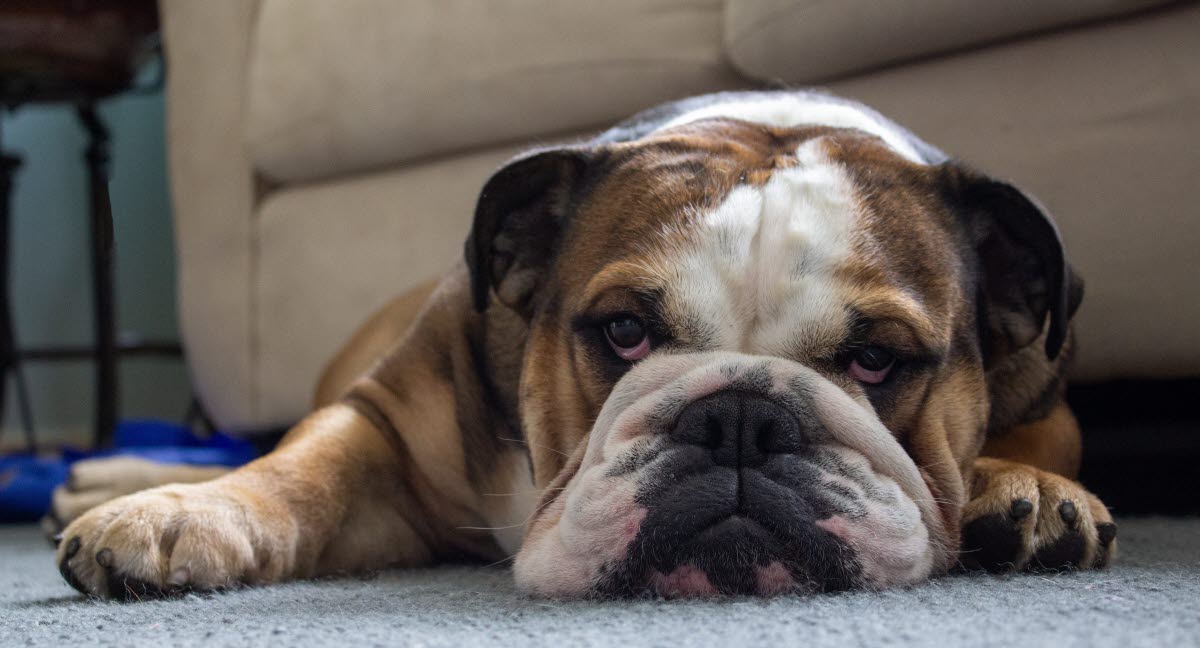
column 758, row 272
column 791, row 111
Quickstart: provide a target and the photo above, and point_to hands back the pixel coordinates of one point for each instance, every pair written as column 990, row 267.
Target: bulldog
column 754, row 342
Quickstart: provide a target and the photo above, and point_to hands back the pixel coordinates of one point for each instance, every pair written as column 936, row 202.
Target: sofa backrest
column 338, row 87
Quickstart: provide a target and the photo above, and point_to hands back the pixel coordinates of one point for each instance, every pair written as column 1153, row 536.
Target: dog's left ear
column 1025, row 278
column 522, row 212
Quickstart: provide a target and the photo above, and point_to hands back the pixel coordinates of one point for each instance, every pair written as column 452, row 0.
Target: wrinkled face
column 754, row 368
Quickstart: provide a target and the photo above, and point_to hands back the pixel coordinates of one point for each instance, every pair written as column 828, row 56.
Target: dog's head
column 758, row 359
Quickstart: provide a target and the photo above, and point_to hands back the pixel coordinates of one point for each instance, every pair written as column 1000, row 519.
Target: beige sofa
column 326, row 155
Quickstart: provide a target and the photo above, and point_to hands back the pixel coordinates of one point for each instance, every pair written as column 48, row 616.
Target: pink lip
column 685, row 580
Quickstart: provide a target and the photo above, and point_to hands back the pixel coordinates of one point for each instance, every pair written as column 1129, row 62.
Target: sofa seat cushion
column 336, row 87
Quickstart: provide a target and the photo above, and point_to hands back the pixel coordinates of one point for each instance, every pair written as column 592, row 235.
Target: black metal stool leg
column 10, row 362
column 102, row 275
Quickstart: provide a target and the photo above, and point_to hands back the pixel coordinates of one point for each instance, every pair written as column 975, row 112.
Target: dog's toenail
column 104, row 558
column 72, row 547
column 1107, row 532
column 1068, row 512
column 1020, row 508
column 57, row 539
column 179, row 577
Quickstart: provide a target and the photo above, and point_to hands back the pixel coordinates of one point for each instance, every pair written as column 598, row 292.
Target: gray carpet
column 1151, row 598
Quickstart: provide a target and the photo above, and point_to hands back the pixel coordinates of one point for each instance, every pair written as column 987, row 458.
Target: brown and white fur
column 761, row 241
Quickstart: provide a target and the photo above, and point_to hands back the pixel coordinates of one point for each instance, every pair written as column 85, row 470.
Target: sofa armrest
column 212, row 188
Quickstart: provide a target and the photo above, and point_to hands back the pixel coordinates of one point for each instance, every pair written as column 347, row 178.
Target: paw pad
column 1064, row 554
column 991, row 542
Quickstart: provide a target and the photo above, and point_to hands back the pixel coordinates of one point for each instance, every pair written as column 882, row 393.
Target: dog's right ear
column 519, row 221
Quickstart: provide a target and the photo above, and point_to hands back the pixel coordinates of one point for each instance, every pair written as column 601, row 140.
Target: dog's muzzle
column 725, row 473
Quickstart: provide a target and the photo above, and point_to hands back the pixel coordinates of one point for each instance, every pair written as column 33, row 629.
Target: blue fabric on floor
column 27, row 481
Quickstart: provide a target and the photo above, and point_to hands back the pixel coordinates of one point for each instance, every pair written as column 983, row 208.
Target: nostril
column 704, row 424
column 770, row 429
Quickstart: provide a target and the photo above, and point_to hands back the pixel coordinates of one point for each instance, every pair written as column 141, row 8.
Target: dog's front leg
column 330, row 498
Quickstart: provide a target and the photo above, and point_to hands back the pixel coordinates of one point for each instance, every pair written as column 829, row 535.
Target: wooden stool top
column 71, row 50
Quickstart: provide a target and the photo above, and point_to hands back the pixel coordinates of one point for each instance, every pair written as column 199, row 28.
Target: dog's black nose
column 740, row 428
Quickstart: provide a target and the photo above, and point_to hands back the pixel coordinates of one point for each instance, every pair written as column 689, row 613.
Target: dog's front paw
column 92, row 482
column 165, row 540
column 1020, row 517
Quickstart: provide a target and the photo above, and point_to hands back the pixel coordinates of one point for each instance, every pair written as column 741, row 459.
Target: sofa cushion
column 331, row 253
column 1096, row 122
column 342, row 86
column 802, row 41
column 1101, row 125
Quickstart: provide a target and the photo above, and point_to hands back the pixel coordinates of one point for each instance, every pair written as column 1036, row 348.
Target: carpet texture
column 1150, row 598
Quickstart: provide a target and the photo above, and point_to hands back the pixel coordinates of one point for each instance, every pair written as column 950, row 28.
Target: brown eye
column 871, row 364
column 627, row 337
